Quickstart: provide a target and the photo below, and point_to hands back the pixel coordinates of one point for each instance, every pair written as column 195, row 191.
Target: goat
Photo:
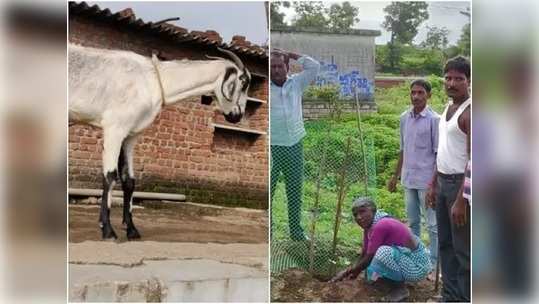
column 123, row 92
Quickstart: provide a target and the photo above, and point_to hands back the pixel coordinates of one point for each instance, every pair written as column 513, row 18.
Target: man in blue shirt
column 417, row 162
column 287, row 130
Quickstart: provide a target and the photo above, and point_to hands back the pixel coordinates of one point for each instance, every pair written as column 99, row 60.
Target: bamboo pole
column 136, row 194
column 316, row 205
column 365, row 168
column 342, row 186
column 437, row 280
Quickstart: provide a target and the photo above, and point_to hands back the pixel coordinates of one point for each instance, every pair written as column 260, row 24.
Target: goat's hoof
column 132, row 233
column 108, row 233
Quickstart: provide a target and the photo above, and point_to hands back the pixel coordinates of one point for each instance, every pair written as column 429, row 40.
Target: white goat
column 123, row 92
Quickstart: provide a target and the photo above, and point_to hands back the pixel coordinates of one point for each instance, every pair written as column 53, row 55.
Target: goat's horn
column 236, row 59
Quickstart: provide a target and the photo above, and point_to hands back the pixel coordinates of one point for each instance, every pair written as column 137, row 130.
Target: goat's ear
column 228, row 89
column 229, row 83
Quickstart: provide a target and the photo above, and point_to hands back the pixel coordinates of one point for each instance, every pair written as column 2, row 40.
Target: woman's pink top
column 387, row 231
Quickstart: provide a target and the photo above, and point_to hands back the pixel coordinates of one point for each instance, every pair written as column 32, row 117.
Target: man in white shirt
column 287, row 130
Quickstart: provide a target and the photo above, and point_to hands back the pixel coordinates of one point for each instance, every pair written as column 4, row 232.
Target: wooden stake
column 342, row 186
column 365, row 168
column 436, row 281
column 316, row 205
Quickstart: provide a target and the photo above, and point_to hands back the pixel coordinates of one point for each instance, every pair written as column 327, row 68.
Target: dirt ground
column 296, row 285
column 175, row 222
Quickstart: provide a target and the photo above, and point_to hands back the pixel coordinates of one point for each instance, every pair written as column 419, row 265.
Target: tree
column 310, row 15
column 453, row 51
column 394, row 54
column 436, row 38
column 276, row 16
column 464, row 42
column 402, row 20
column 342, row 17
column 465, row 36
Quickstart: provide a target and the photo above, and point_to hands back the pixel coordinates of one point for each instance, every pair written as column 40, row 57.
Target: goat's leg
column 112, row 142
column 125, row 165
column 107, row 232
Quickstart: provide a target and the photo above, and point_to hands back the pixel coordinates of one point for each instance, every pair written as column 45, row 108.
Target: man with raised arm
column 287, row 130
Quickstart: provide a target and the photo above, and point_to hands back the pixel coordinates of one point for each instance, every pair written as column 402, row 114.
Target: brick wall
column 395, row 81
column 388, row 83
column 320, row 109
column 181, row 152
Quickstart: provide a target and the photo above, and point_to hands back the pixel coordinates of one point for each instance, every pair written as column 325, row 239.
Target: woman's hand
column 340, row 276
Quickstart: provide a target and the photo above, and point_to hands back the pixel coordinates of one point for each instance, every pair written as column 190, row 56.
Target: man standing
column 417, row 163
column 447, row 186
column 287, row 130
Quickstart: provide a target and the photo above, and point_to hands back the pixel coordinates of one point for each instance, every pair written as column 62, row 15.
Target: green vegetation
column 414, row 60
column 325, row 156
column 316, row 15
column 401, row 56
column 403, row 20
column 394, row 101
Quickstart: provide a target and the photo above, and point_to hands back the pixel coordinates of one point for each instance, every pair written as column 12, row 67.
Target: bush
column 396, row 100
column 327, row 92
column 413, row 60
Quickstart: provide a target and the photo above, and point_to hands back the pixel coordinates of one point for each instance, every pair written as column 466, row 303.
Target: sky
column 441, row 13
column 248, row 18
column 227, row 18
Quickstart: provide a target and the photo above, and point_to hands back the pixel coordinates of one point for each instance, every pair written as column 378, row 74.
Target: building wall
column 321, row 109
column 181, row 152
column 346, row 59
column 394, row 81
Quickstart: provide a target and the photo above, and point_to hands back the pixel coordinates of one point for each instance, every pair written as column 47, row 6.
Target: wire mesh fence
column 312, row 187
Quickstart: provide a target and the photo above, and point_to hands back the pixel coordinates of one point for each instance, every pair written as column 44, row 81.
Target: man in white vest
column 287, row 130
column 446, row 187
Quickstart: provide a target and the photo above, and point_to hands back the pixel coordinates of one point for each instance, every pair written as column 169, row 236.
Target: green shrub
column 327, row 92
column 412, row 60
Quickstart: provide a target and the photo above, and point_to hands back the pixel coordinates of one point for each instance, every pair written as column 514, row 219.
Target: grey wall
column 320, row 109
column 348, row 60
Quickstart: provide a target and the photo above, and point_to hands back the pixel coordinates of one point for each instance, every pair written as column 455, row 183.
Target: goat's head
column 231, row 92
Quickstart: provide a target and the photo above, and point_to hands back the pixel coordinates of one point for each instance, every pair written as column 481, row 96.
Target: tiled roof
column 127, row 18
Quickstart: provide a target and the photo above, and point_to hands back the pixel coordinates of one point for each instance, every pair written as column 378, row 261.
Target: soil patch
column 294, row 285
column 175, row 222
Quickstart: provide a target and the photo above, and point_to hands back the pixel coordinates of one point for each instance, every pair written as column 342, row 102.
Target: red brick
column 88, row 140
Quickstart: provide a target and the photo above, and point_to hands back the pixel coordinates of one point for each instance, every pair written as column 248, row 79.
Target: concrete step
column 198, row 280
